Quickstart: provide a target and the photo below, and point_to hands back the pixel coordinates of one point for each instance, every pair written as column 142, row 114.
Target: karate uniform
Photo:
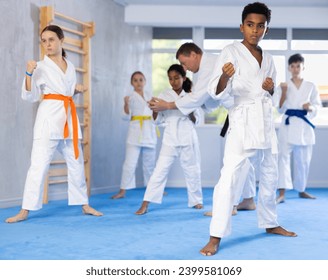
column 179, row 141
column 199, row 96
column 251, row 131
column 141, row 138
column 49, row 79
column 298, row 137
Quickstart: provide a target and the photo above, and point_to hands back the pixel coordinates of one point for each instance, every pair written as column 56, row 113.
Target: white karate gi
column 141, row 138
column 246, row 182
column 48, row 78
column 179, row 141
column 199, row 96
column 298, row 137
column 251, row 131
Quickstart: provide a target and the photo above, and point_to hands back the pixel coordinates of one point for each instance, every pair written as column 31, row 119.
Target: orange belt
column 68, row 100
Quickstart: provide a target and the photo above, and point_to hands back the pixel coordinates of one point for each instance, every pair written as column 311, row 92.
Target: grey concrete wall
column 117, row 50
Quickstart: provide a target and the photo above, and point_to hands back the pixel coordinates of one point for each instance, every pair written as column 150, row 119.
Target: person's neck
column 178, row 91
column 140, row 92
column 250, row 47
column 56, row 58
column 297, row 78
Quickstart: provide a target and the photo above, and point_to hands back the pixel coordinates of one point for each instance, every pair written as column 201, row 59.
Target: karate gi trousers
column 42, row 154
column 132, row 153
column 189, row 160
column 302, row 155
column 235, row 162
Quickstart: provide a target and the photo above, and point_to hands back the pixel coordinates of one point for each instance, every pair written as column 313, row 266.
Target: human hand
column 228, row 70
column 31, row 66
column 268, row 85
column 307, row 107
column 126, row 99
column 80, row 88
column 157, row 104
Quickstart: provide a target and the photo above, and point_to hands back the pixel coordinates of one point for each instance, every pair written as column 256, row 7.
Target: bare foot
column 198, row 206
column 143, row 209
column 280, row 199
column 208, row 214
column 120, row 194
column 306, row 195
column 211, row 247
column 21, row 216
column 234, row 211
column 281, row 231
column 247, row 204
column 88, row 210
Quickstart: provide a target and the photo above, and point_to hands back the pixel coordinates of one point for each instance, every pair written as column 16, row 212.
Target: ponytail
column 187, row 85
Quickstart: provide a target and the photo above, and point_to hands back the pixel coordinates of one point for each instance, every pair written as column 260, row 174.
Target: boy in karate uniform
column 247, row 73
column 299, row 101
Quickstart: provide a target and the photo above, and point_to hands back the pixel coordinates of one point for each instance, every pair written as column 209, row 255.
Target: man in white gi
column 299, row 101
column 247, row 73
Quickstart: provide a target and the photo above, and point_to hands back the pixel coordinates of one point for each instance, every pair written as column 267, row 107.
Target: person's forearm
column 222, row 84
column 172, row 105
column 282, row 99
column 126, row 109
column 28, row 83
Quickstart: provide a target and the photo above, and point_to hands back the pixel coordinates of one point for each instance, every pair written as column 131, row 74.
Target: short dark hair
column 256, row 8
column 187, row 48
column 295, row 58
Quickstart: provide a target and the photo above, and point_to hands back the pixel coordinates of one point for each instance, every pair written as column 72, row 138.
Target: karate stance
column 299, row 101
column 192, row 58
column 179, row 141
column 56, row 125
column 141, row 135
column 246, row 72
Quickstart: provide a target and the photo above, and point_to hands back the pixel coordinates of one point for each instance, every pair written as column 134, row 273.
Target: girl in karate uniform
column 179, row 140
column 141, row 135
column 56, row 125
column 299, row 101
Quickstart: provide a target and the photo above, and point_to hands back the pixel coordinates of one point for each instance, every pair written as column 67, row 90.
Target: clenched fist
column 30, row 67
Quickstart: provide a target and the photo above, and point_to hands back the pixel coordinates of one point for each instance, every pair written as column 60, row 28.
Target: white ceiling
column 278, row 3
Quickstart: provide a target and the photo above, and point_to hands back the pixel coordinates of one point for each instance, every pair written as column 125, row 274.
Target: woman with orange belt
column 56, row 125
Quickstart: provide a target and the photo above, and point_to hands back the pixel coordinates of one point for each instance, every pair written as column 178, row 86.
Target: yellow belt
column 141, row 119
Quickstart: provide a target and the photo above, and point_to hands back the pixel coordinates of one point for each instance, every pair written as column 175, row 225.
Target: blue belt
column 297, row 113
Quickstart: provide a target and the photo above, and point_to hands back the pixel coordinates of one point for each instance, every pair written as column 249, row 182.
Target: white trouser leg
column 301, row 161
column 284, row 164
column 77, row 187
column 128, row 180
column 249, row 190
column 41, row 156
column 157, row 181
column 234, row 163
column 266, row 209
column 148, row 163
column 191, row 169
column 242, row 181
